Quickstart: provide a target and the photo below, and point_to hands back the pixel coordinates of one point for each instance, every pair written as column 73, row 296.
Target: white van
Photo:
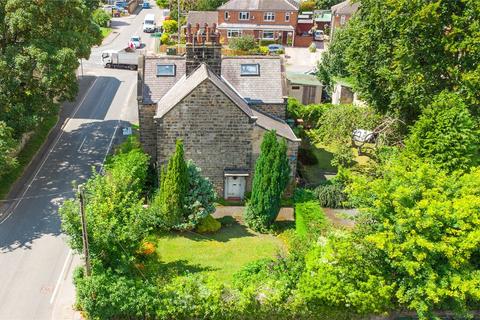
column 149, row 23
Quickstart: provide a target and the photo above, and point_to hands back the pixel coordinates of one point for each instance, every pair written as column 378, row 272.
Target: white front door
column 234, row 187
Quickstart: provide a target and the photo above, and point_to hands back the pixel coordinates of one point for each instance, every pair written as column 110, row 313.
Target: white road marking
column 61, row 275
column 81, row 145
column 48, row 154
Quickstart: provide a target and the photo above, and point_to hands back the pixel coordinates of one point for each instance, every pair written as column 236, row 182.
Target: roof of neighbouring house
column 281, row 127
column 323, row 16
column 255, row 88
column 154, row 87
column 202, row 17
column 345, row 8
column 303, row 79
column 259, row 5
column 188, row 83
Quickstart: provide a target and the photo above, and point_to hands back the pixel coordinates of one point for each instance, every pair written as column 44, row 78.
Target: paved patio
column 286, row 214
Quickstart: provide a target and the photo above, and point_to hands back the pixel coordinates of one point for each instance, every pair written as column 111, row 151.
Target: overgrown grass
column 27, row 154
column 105, row 31
column 219, row 255
column 310, row 220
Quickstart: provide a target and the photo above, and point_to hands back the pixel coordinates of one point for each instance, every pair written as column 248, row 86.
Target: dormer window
column 252, row 69
column 227, row 15
column 166, row 70
column 244, row 15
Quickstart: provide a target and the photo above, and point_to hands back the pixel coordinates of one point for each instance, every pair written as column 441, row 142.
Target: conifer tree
column 271, row 178
column 174, row 188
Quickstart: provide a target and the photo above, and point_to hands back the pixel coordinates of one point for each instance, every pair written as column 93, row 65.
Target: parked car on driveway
column 275, row 48
column 319, row 35
column 136, row 41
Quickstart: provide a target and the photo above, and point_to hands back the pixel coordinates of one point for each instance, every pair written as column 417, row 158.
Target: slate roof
column 188, row 83
column 345, row 8
column 266, row 88
column 281, row 127
column 259, row 5
column 202, row 17
column 154, row 88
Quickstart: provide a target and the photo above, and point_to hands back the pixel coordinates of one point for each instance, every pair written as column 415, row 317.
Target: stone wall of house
column 278, row 110
column 217, row 135
column 148, row 130
column 292, row 150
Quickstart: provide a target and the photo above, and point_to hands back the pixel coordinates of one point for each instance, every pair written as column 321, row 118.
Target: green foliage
column 39, row 55
column 162, row 3
column 170, row 26
column 307, row 5
column 331, row 195
column 313, row 47
column 425, row 224
column 326, row 4
column 339, row 273
column 272, row 174
column 208, row 225
column 446, row 134
column 243, row 43
column 116, row 220
column 310, row 114
column 7, row 147
column 306, row 156
column 171, row 199
column 165, row 39
column 100, row 17
column 402, row 54
column 310, row 220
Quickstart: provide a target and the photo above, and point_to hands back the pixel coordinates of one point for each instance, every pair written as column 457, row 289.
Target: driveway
column 301, row 59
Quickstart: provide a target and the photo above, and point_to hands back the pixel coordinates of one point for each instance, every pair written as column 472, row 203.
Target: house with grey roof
column 202, row 17
column 219, row 106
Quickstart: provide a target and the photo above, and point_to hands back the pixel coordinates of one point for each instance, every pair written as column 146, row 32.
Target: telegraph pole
column 84, row 230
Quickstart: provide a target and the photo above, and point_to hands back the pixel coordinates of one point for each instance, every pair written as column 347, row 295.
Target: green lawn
column 105, row 31
column 26, row 154
column 219, row 255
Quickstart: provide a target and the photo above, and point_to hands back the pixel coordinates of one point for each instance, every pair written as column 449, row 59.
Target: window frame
column 269, row 16
column 247, row 13
column 230, row 31
column 247, row 73
column 287, row 17
column 174, row 69
column 226, row 15
column 268, row 31
column 343, row 19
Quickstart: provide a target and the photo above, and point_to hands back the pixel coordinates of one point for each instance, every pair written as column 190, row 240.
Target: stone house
column 270, row 20
column 220, row 107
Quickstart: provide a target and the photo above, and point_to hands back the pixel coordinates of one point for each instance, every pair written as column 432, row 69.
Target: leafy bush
column 264, row 50
column 208, row 225
column 7, row 146
column 170, row 26
column 100, row 17
column 331, row 195
column 244, row 43
column 267, row 42
column 313, row 47
column 165, row 39
column 310, row 220
column 311, row 114
column 162, row 3
column 307, row 5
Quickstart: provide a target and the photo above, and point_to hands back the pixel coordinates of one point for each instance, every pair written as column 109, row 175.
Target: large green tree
column 7, row 146
column 446, row 134
column 402, row 53
column 171, row 199
column 272, row 173
column 40, row 46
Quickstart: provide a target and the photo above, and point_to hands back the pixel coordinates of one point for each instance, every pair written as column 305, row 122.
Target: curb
column 108, row 41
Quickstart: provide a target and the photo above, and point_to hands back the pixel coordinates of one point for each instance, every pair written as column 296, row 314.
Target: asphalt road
column 36, row 264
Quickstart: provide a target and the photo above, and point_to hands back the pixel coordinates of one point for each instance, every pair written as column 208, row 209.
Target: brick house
column 220, row 107
column 271, row 20
column 341, row 13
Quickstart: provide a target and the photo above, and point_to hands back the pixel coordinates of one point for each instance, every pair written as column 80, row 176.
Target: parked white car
column 136, row 41
column 149, row 24
column 319, row 35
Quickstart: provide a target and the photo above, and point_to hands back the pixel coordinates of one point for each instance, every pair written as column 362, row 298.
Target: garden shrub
column 100, row 17
column 165, row 38
column 331, row 195
column 266, row 43
column 313, row 47
column 263, row 50
column 208, row 225
column 244, row 43
column 170, row 26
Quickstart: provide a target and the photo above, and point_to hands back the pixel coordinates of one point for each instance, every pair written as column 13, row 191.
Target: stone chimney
column 203, row 47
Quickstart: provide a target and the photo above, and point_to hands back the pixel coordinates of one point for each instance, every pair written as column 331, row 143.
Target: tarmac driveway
column 301, row 59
